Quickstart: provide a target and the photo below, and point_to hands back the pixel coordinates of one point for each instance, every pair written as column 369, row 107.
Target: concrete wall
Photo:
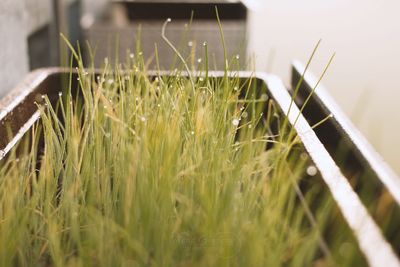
column 364, row 77
column 18, row 18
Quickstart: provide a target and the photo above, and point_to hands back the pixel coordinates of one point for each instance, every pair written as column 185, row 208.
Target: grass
column 165, row 171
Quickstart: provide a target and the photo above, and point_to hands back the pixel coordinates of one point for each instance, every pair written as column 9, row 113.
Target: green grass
column 165, row 171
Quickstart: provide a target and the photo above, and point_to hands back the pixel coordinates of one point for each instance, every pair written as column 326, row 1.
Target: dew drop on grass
column 235, row 122
column 77, row 79
column 201, row 79
column 244, row 114
column 142, row 118
column 169, row 20
column 199, row 60
column 192, row 132
column 140, row 53
column 311, row 170
column 205, row 44
column 264, row 97
column 250, row 126
column 131, row 55
column 236, row 88
column 237, row 56
column 60, row 94
column 190, row 43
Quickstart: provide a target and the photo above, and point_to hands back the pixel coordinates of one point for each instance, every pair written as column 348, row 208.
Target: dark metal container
column 117, row 31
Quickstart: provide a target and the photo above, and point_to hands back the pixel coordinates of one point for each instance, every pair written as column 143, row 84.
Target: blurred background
column 365, row 35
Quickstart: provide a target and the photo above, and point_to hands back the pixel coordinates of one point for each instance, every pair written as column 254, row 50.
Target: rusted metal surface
column 20, row 111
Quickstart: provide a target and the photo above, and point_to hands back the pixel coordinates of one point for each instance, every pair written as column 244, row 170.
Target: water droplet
column 205, row 44
column 158, row 105
column 236, row 88
column 264, row 97
column 131, row 55
column 107, row 135
column 190, row 44
column 140, row 53
column 169, row 19
column 192, row 132
column 250, row 126
column 77, row 79
column 201, row 79
column 142, row 118
column 105, row 107
column 303, row 155
column 241, row 108
column 311, row 170
column 43, row 96
column 235, row 122
column 156, row 79
column 199, row 60
column 60, row 94
column 261, row 114
column 244, row 114
column 237, row 56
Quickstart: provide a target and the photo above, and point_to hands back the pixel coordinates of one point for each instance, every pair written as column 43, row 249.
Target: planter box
column 357, row 160
column 19, row 113
column 117, row 30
